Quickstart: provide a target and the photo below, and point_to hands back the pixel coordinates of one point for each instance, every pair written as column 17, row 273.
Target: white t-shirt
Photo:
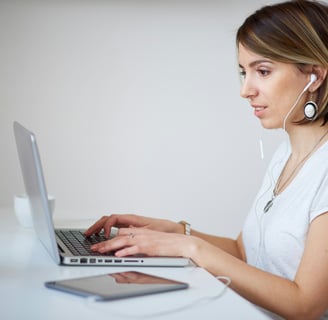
column 274, row 241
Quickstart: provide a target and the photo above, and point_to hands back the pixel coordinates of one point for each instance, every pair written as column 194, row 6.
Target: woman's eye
column 242, row 73
column 264, row 72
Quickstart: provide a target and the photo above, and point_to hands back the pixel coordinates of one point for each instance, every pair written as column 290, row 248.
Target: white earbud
column 313, row 78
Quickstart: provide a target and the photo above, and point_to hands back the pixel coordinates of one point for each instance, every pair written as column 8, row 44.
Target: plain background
column 136, row 108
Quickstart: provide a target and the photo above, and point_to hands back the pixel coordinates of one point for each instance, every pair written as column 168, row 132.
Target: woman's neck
column 307, row 138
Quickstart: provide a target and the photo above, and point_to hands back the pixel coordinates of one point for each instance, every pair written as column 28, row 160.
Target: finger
column 114, row 220
column 128, row 251
column 113, row 244
column 105, row 223
column 96, row 227
column 133, row 231
column 126, row 220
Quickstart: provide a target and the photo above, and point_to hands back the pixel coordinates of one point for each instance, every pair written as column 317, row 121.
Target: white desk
column 25, row 266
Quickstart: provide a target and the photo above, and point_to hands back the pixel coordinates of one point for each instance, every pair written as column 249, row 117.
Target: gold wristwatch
column 187, row 227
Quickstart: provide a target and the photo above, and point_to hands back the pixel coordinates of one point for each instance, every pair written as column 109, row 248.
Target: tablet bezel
column 118, row 285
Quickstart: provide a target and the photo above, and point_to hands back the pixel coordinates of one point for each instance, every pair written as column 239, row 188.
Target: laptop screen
column 35, row 188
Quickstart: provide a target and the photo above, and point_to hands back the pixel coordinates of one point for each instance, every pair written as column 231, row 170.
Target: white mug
column 23, row 210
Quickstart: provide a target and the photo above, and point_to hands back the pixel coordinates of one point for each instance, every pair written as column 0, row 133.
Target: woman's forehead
column 247, row 57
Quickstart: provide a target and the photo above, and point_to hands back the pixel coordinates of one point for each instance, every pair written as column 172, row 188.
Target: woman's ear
column 321, row 74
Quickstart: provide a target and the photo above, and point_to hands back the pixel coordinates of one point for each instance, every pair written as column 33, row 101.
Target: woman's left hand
column 131, row 241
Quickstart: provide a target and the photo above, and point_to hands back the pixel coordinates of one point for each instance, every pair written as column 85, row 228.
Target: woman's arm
column 233, row 247
column 304, row 298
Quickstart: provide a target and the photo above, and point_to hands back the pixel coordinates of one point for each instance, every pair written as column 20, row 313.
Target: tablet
column 117, row 285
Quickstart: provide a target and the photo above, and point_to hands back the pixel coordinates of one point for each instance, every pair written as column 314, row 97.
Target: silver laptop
column 67, row 246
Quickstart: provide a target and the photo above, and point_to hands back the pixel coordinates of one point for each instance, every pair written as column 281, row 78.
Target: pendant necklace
column 277, row 186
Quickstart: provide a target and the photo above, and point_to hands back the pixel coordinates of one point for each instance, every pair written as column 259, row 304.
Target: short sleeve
column 320, row 201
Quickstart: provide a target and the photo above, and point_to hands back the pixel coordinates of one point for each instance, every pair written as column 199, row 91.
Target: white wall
column 135, row 105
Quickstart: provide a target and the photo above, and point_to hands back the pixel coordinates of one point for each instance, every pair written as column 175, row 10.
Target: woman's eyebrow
column 256, row 62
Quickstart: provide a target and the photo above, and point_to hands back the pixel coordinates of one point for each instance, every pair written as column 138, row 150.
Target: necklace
column 277, row 186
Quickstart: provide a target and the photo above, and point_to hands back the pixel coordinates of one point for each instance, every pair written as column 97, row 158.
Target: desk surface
column 25, row 266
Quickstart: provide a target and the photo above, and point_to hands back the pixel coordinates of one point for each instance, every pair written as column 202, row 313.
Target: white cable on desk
column 226, row 279
column 93, row 303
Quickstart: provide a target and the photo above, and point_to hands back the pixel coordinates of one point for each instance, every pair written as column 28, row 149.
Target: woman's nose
column 247, row 90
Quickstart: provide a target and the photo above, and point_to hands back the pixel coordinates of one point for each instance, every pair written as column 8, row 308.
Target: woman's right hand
column 131, row 220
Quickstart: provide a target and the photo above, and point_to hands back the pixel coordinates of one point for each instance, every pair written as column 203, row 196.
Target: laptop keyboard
column 78, row 243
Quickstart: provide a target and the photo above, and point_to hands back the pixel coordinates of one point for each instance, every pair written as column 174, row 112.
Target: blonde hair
column 291, row 32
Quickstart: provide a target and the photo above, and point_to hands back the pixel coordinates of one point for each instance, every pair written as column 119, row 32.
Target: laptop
column 67, row 246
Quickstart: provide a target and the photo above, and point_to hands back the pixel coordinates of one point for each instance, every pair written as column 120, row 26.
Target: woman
column 280, row 259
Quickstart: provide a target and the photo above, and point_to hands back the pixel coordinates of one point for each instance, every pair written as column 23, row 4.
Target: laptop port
column 118, row 260
column 83, row 260
column 108, row 260
column 92, row 260
column 74, row 260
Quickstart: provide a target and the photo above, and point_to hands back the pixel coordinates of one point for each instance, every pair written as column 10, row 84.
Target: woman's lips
column 259, row 111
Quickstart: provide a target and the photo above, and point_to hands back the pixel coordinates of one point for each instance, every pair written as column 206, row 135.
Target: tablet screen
column 117, row 285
